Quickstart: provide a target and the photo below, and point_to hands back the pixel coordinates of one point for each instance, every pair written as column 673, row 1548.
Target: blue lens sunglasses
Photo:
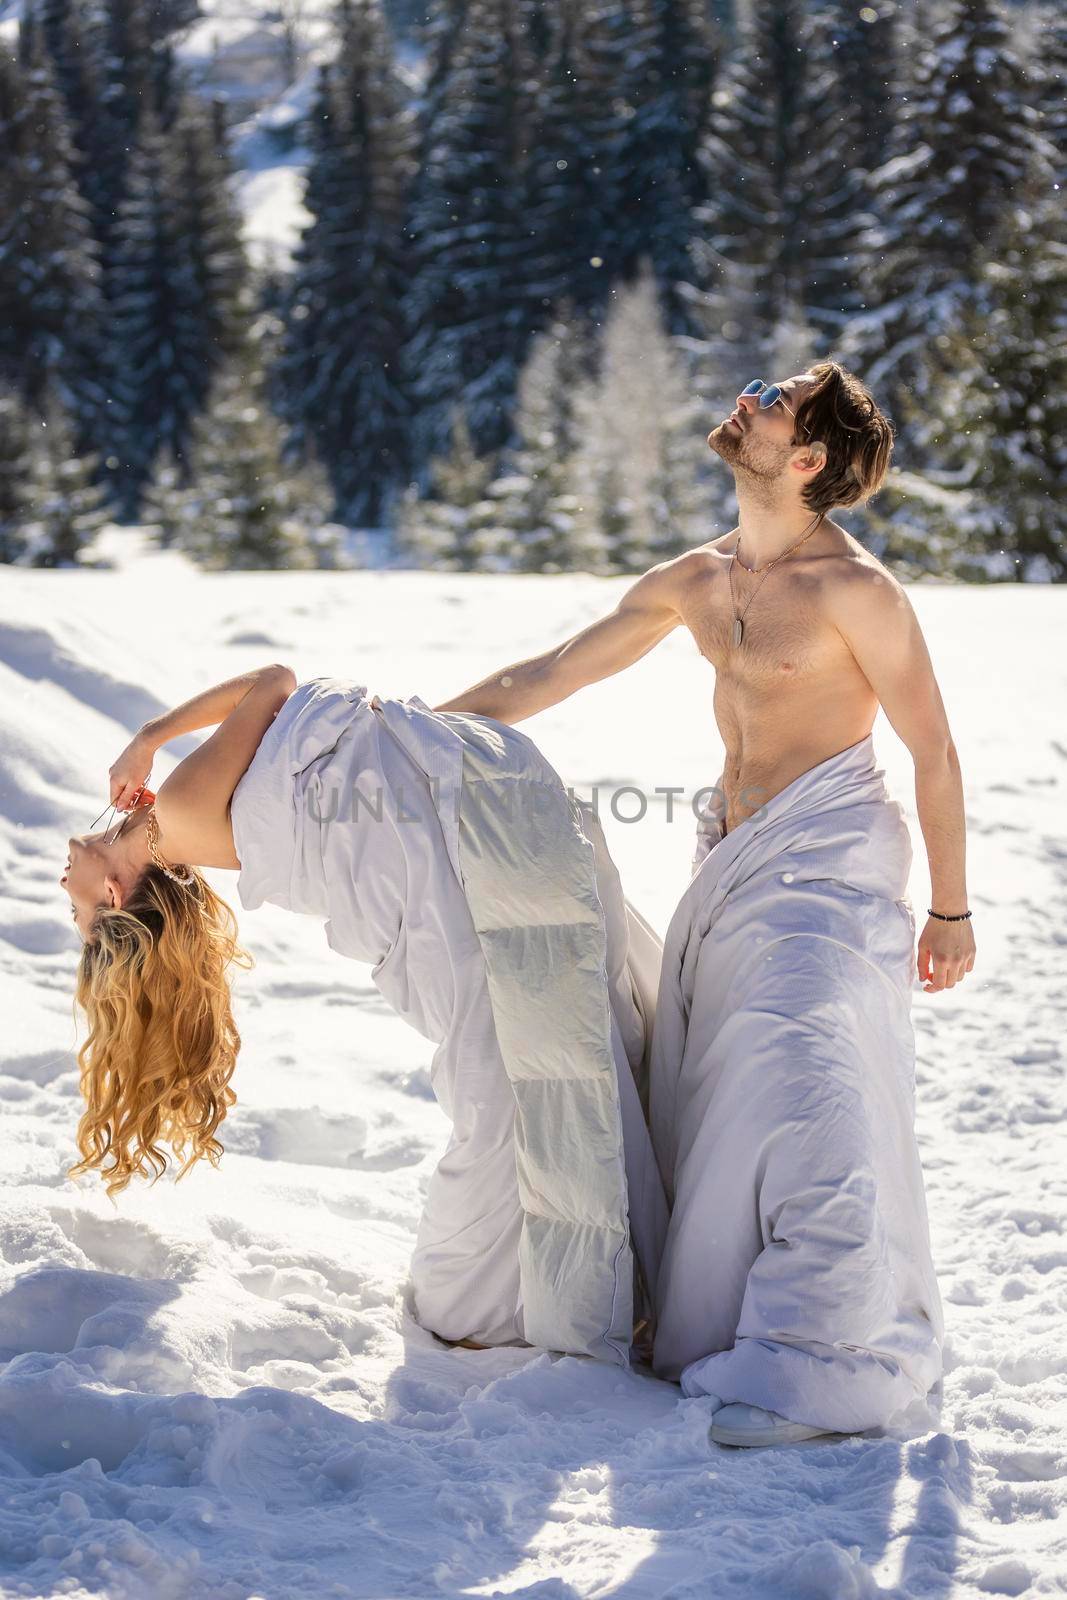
column 769, row 396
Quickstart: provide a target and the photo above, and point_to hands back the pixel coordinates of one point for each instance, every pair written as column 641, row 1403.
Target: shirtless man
column 828, row 633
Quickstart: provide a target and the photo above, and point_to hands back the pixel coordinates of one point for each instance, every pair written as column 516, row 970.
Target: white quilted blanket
column 797, row 1272
column 446, row 851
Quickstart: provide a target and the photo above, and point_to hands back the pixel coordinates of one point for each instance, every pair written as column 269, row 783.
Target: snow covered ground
column 212, row 1390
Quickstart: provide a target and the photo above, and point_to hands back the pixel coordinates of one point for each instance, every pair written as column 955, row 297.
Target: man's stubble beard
column 757, row 481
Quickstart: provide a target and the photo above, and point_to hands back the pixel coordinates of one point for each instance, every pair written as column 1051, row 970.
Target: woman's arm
column 193, row 804
column 194, row 801
column 213, row 705
column 203, row 783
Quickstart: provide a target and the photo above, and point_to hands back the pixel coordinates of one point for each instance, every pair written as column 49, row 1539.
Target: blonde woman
column 158, row 941
column 442, row 848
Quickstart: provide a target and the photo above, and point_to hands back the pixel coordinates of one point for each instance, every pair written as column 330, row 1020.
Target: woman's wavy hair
column 162, row 1043
column 858, row 437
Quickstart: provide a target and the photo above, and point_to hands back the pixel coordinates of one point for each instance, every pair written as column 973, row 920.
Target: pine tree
column 178, row 290
column 113, row 60
column 406, row 17
column 997, row 422
column 829, row 148
column 667, row 85
column 609, row 48
column 74, row 40
column 918, row 526
column 138, row 95
column 50, row 301
column 166, row 501
column 602, row 513
column 469, row 313
column 17, row 474
column 50, row 509
column 966, row 147
column 69, row 510
column 439, row 34
column 452, row 527
column 738, row 231
column 639, row 470
column 864, row 48
column 209, row 225
column 571, row 201
column 245, row 508
column 538, row 21
column 535, row 504
column 690, row 46
column 155, row 393
column 782, row 231
column 1047, row 69
column 342, row 364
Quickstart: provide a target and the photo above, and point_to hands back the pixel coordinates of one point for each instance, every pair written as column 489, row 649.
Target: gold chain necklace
column 152, row 834
column 739, row 630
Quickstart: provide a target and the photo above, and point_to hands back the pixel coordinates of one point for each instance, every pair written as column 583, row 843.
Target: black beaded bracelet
column 942, row 917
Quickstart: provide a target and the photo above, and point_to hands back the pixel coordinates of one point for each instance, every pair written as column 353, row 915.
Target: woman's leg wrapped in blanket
column 797, row 1271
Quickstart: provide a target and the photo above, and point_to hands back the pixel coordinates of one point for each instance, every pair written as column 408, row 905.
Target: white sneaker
column 743, row 1424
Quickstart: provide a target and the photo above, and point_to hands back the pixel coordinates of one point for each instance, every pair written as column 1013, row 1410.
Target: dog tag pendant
column 738, row 629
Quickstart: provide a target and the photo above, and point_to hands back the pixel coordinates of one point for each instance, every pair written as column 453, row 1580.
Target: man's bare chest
column 786, row 634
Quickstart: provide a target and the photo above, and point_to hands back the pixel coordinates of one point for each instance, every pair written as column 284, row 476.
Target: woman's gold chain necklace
column 152, row 834
column 739, row 630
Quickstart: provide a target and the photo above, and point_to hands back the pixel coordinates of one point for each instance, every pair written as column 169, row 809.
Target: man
column 797, row 1265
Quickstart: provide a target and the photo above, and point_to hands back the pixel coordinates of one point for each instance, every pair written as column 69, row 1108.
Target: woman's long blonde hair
column 162, row 1043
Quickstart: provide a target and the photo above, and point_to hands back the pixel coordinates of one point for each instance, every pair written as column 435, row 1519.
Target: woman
column 441, row 847
column 162, row 1043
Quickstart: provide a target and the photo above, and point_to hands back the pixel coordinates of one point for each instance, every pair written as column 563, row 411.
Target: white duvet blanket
column 443, row 849
column 715, row 1133
column 797, row 1271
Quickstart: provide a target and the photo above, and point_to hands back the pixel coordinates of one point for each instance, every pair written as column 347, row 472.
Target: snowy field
column 212, row 1390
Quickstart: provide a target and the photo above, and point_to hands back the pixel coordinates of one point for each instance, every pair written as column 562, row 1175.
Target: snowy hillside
column 212, row 1392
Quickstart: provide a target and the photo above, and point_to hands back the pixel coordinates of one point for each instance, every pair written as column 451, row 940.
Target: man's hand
column 946, row 953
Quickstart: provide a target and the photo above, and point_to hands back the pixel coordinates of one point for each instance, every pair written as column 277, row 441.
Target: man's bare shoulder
column 721, row 545
column 851, row 568
column 695, row 565
column 860, row 592
column 678, row 584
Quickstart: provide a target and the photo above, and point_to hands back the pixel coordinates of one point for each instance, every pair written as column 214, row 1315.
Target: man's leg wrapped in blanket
column 797, row 1271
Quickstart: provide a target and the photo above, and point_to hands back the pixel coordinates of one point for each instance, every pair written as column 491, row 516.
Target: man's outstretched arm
column 647, row 612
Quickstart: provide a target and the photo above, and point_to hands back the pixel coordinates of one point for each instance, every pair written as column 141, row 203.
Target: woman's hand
column 131, row 771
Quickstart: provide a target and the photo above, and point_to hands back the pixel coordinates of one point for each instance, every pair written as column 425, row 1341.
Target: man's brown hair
column 844, row 415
